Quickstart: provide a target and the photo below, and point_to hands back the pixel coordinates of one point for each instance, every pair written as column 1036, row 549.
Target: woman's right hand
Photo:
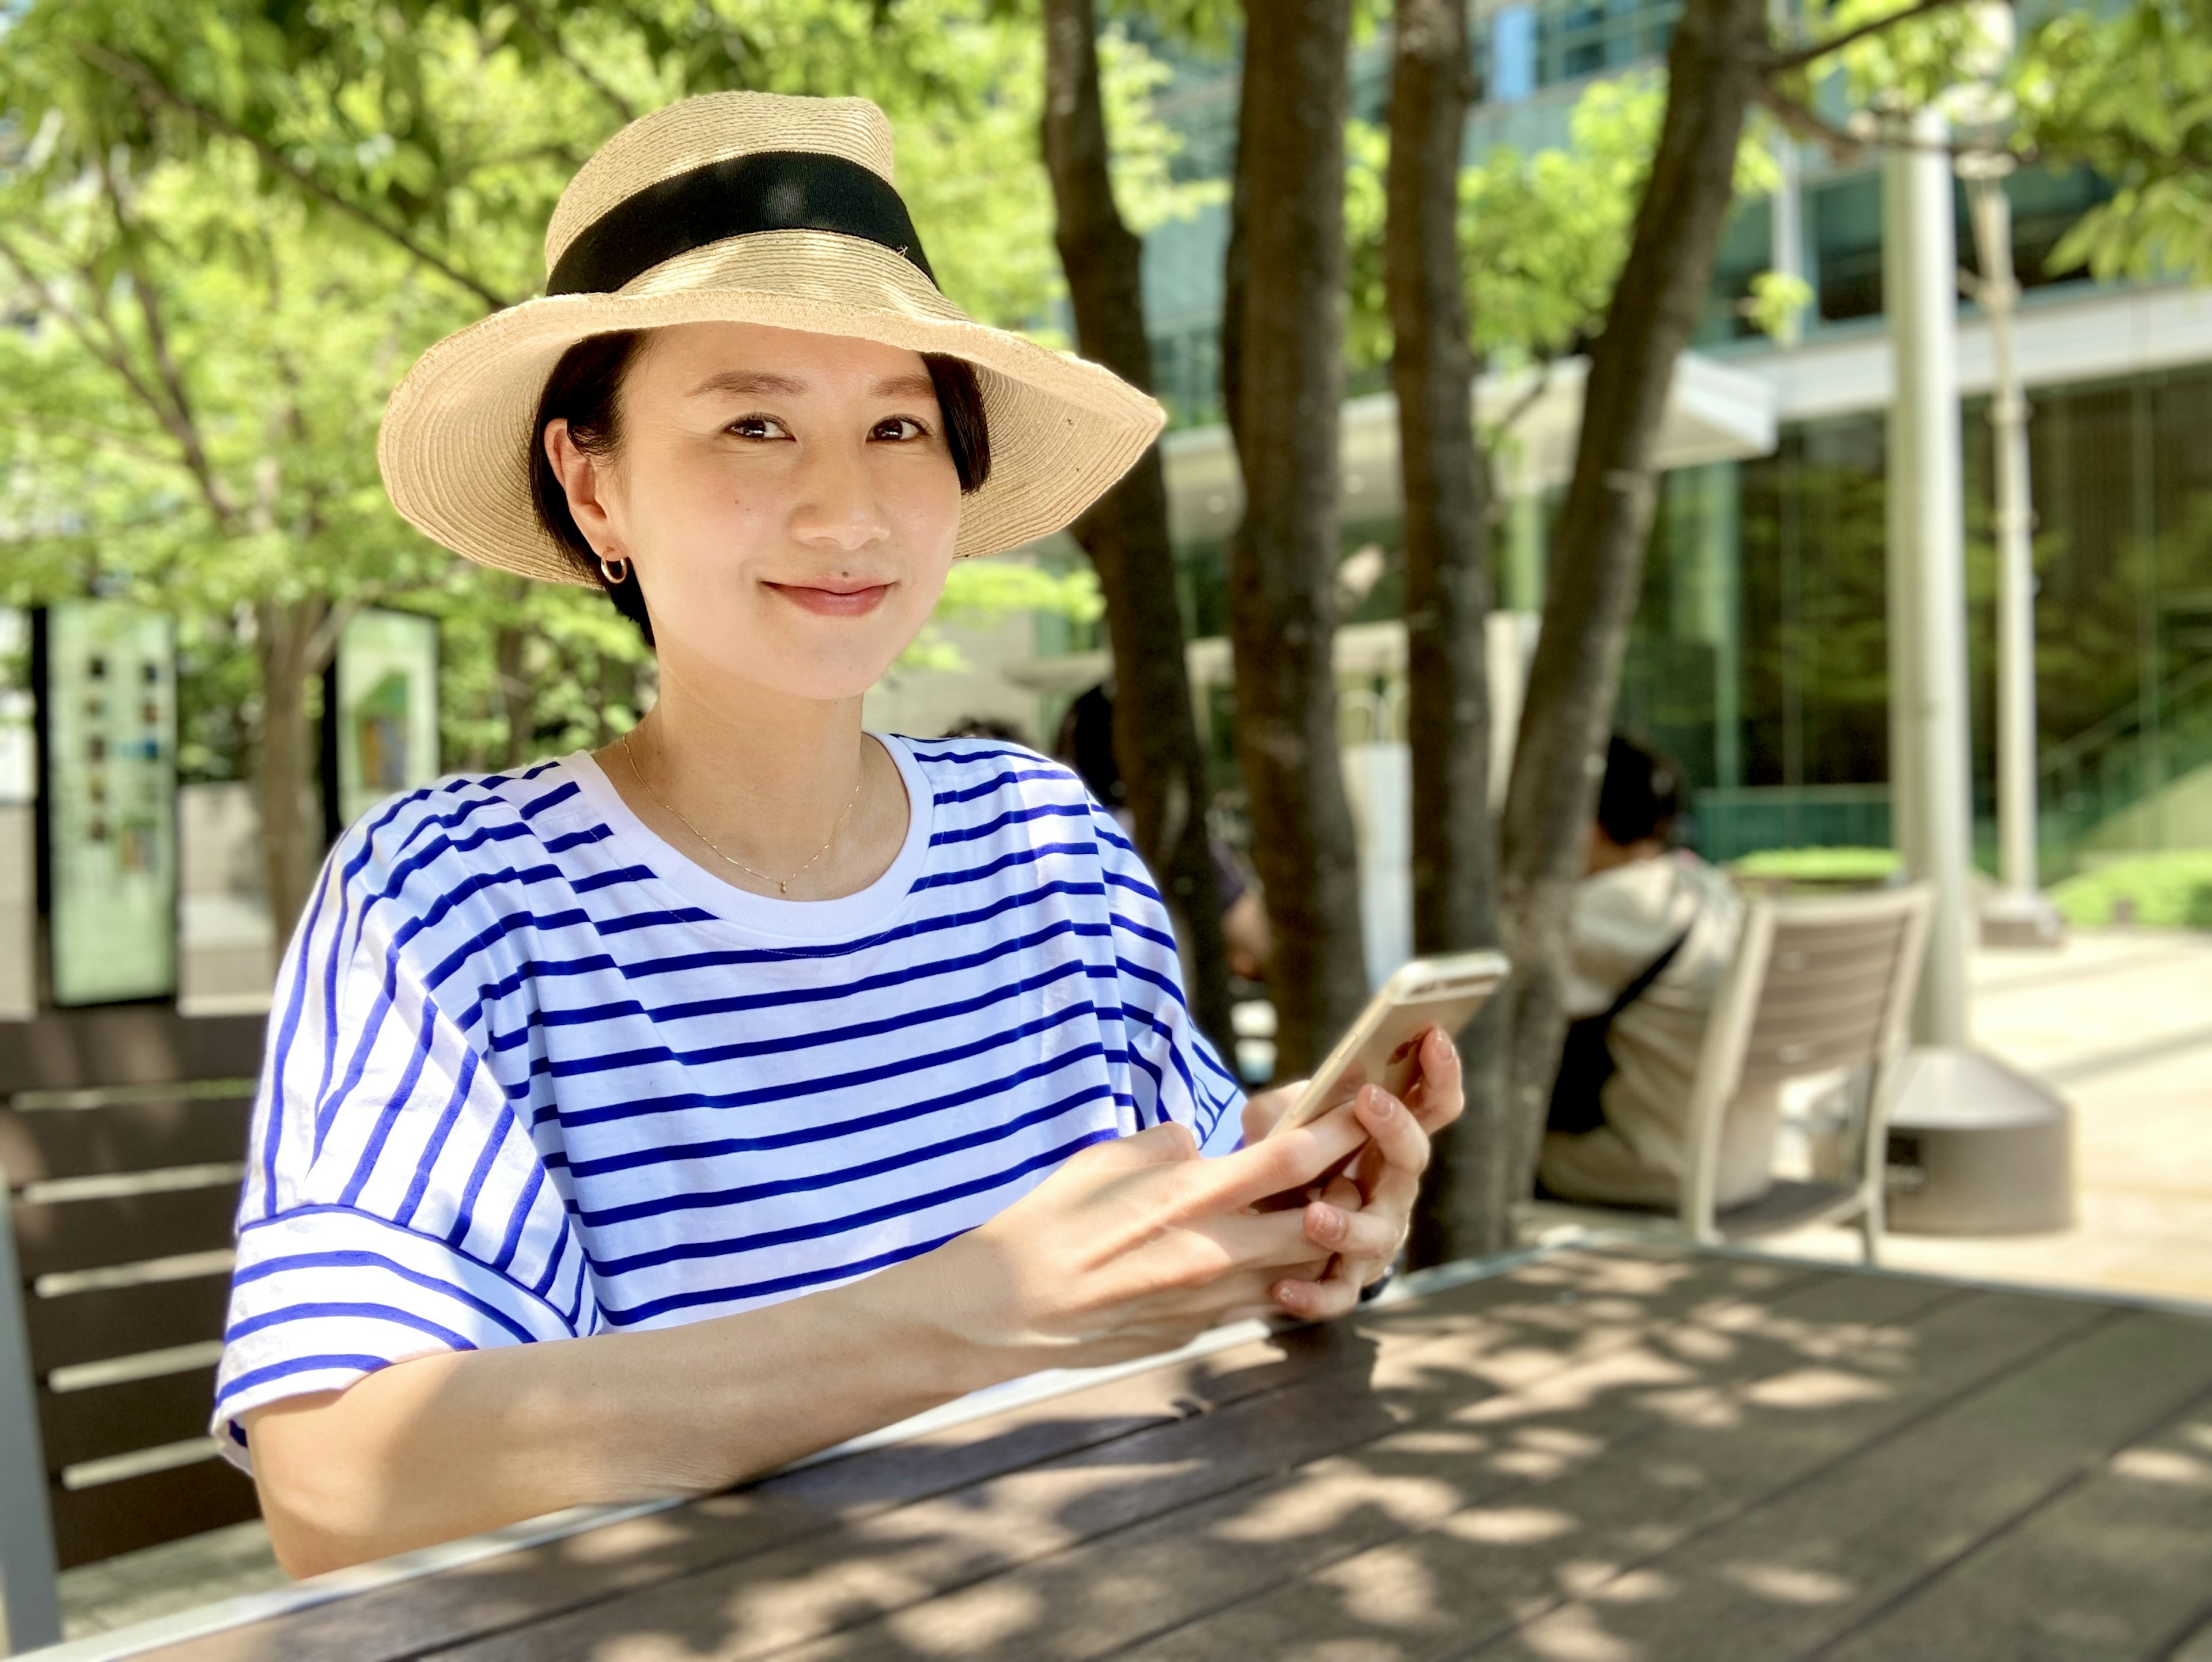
column 1133, row 1247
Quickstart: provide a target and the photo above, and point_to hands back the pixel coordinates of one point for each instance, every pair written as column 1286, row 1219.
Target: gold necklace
column 782, row 883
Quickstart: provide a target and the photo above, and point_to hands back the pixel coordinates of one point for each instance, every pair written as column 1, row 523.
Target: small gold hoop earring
column 616, row 571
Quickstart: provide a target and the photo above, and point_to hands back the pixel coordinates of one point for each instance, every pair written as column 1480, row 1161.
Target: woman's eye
column 899, row 429
column 759, row 427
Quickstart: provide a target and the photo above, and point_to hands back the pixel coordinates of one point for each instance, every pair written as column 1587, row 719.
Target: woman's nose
column 836, row 506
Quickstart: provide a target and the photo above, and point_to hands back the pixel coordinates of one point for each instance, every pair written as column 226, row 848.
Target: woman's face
column 787, row 500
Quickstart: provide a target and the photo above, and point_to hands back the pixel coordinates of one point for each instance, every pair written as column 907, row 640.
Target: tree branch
column 110, row 355
column 1803, row 122
column 1782, row 62
column 137, row 75
column 549, row 36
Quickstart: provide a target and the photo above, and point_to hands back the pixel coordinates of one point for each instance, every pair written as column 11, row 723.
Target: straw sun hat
column 743, row 208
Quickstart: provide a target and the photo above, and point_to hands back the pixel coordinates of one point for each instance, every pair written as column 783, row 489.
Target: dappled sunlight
column 1619, row 1370
column 1508, row 1527
column 1573, row 1634
column 1390, row 1587
column 1787, row 1584
column 1707, row 1408
column 1327, row 1492
column 1612, row 1583
column 2163, row 1465
column 1554, row 1479
column 1440, row 1441
column 955, row 1624
column 1538, row 1452
column 1810, row 1388
column 1699, row 1344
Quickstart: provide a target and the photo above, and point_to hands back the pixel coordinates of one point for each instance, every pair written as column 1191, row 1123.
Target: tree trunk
column 1126, row 534
column 1447, row 581
column 290, row 641
column 1283, row 561
column 1713, row 69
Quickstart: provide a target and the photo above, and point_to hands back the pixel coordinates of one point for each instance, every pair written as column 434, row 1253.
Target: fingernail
column 1290, row 1296
column 1324, row 1220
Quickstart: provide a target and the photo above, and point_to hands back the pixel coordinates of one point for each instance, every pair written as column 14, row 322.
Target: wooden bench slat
column 76, row 1049
column 54, row 1236
column 92, row 1523
column 75, row 1426
column 105, row 1323
column 41, row 1147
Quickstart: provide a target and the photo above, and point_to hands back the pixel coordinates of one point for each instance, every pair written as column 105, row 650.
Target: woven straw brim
column 453, row 448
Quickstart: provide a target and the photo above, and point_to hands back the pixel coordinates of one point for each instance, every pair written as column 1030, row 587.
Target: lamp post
column 1931, row 781
column 1975, row 1148
column 2019, row 914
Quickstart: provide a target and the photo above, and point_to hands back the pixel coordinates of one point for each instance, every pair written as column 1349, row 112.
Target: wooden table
column 1616, row 1455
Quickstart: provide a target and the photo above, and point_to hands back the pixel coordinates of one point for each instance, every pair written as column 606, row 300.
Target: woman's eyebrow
column 748, row 383
column 906, row 387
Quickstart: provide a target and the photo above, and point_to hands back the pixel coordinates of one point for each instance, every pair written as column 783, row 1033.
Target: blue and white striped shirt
column 533, row 1074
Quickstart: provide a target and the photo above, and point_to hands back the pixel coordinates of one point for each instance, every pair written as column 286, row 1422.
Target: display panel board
column 19, row 775
column 111, row 722
column 386, row 708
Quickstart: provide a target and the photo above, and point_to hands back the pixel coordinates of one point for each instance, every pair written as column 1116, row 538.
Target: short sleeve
column 1175, row 1072
column 395, row 1204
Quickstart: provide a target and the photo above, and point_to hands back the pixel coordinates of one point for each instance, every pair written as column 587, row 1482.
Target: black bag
column 1586, row 1063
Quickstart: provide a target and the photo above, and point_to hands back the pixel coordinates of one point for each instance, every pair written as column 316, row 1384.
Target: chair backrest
column 123, row 1138
column 1818, row 986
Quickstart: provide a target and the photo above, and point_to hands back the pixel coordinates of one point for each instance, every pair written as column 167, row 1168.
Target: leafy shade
column 1542, row 233
column 2130, row 95
column 982, row 592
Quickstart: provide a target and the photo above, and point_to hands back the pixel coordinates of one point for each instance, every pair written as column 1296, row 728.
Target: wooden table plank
column 1118, row 1592
column 1624, row 1454
column 411, row 1617
column 1391, row 1366
column 1716, row 1444
column 1579, row 1296
column 1791, row 1575
column 2196, row 1647
column 2117, row 1570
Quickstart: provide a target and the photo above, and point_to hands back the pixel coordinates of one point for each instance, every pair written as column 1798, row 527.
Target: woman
column 1654, row 936
column 653, row 1118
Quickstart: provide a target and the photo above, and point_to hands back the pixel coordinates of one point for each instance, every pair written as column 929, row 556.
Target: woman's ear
column 585, row 480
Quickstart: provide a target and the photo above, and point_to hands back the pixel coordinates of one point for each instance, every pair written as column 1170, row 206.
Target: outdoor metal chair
column 1818, row 987
column 122, row 1139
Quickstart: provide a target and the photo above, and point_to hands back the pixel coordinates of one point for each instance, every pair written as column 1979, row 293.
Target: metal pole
column 1931, row 781
column 2020, row 915
column 30, row 1594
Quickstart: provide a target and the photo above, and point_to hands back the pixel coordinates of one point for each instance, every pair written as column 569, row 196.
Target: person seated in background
column 1654, row 931
column 1086, row 745
column 988, row 726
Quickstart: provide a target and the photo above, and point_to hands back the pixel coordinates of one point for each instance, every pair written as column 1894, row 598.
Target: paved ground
column 2121, row 1022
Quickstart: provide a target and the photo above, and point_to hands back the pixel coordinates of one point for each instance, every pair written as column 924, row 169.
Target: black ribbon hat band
column 768, row 190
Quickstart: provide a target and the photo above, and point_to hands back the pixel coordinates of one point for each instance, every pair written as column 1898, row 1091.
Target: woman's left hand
column 1361, row 1218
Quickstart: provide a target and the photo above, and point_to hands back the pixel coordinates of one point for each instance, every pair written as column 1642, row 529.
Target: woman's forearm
column 1130, row 1247
column 449, row 1445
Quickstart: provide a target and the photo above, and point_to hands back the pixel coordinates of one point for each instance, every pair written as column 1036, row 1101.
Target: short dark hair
column 1642, row 795
column 1086, row 744
column 584, row 390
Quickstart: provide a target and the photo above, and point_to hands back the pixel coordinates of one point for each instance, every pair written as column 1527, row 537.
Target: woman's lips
column 834, row 602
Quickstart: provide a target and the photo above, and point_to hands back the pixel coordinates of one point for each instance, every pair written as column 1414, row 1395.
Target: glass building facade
column 1758, row 656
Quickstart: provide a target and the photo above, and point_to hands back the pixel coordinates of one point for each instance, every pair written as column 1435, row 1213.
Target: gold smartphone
column 1380, row 1048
